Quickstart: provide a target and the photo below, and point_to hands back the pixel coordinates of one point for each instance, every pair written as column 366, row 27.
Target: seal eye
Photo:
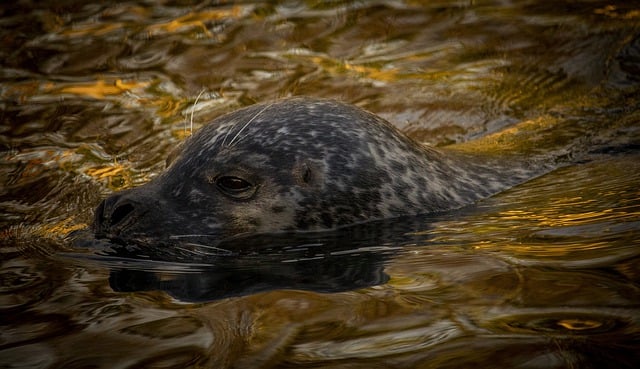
column 234, row 186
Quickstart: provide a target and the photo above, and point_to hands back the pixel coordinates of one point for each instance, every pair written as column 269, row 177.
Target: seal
column 298, row 164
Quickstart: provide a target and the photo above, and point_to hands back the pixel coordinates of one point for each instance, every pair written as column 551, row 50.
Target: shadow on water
column 342, row 260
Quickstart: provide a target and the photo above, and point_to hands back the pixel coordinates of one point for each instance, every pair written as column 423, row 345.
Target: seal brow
column 245, row 126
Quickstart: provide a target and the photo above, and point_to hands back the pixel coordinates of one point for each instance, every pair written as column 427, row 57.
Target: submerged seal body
column 296, row 164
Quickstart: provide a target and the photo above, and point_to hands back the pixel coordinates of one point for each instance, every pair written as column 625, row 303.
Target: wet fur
column 316, row 164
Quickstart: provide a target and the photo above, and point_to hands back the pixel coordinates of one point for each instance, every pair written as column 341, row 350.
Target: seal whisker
column 176, row 236
column 233, row 140
column 224, row 139
column 217, row 250
column 194, row 252
column 193, row 108
column 197, row 248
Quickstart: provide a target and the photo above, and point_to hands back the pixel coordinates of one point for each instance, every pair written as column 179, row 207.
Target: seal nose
column 115, row 213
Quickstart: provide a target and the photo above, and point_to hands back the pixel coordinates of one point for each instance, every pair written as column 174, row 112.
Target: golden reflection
column 557, row 220
column 376, row 73
column 117, row 175
column 20, row 91
column 523, row 137
column 105, row 172
column 568, row 215
column 579, row 324
column 61, row 228
column 192, row 20
column 93, row 29
column 181, row 134
column 539, row 135
column 613, row 12
column 98, row 89
column 195, row 20
column 336, row 67
column 388, row 75
column 166, row 105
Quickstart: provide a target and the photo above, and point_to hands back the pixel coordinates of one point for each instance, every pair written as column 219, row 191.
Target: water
column 544, row 275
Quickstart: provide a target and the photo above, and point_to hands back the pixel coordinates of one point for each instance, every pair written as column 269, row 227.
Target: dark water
column 544, row 275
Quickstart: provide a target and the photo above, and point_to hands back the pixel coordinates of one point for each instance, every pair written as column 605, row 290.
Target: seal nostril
column 120, row 213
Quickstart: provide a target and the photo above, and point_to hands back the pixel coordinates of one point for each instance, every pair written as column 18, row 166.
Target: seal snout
column 117, row 213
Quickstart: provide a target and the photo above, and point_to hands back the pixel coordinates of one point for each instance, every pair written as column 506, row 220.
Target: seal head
column 297, row 164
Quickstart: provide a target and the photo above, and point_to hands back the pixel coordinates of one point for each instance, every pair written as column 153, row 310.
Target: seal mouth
column 115, row 233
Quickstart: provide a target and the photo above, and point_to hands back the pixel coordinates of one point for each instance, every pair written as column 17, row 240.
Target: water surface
column 544, row 275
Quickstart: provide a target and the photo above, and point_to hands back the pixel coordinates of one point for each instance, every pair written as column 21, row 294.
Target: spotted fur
column 313, row 164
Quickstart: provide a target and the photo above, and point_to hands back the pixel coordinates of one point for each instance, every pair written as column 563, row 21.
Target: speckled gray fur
column 313, row 164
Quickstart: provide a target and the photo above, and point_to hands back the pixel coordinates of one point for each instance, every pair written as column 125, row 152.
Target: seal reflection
column 325, row 262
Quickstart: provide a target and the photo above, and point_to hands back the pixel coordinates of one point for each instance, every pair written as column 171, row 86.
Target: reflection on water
column 308, row 267
column 544, row 275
